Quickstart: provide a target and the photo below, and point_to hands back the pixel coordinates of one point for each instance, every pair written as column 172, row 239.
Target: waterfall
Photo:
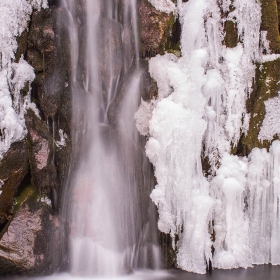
column 110, row 180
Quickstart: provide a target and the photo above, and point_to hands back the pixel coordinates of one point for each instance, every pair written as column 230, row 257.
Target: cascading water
column 230, row 218
column 111, row 181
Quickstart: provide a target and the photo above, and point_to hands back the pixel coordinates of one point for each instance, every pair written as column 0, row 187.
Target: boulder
column 13, row 168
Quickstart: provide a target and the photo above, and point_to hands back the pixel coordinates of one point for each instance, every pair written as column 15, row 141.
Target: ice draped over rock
column 14, row 75
column 201, row 111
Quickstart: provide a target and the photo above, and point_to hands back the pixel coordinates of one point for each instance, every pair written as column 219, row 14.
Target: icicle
column 258, row 201
column 230, row 215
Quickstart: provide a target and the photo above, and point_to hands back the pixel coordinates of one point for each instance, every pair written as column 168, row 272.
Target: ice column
column 231, row 221
column 176, row 131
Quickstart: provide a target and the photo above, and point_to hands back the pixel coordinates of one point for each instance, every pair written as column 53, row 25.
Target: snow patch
column 62, row 141
column 271, row 124
column 166, row 6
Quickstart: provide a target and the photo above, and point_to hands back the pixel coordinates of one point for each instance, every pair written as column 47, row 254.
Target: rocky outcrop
column 270, row 23
column 266, row 80
column 13, row 168
column 156, row 28
column 26, row 246
column 266, row 86
column 33, row 171
column 41, row 153
column 48, row 54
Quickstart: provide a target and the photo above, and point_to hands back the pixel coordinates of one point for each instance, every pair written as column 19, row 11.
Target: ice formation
column 62, row 141
column 263, row 204
column 14, row 75
column 271, row 124
column 231, row 221
column 176, row 131
column 246, row 213
column 166, row 6
column 200, row 110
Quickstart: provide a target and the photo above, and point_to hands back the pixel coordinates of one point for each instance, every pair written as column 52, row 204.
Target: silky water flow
column 112, row 226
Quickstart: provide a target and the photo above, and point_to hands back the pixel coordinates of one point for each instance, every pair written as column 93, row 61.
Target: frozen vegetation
column 200, row 111
column 14, row 76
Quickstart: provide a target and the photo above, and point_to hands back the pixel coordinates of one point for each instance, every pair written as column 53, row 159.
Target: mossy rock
column 13, row 168
column 22, row 45
column 41, row 147
column 270, row 23
column 27, row 242
column 231, row 34
column 266, row 86
column 156, row 30
column 168, row 253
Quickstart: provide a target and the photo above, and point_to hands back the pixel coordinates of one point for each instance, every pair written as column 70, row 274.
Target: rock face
column 156, row 28
column 13, row 168
column 33, row 171
column 41, row 147
column 18, row 241
column 266, row 86
column 25, row 245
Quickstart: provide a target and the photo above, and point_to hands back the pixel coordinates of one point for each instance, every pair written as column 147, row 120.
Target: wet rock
column 149, row 89
column 26, row 245
column 41, row 150
column 110, row 50
column 42, row 52
column 49, row 53
column 270, row 23
column 22, row 45
column 18, row 241
column 231, row 34
column 52, row 90
column 51, row 60
column 156, row 27
column 266, row 86
column 13, row 168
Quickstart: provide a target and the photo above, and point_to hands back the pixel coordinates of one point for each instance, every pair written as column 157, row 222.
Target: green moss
column 266, row 86
column 270, row 23
column 231, row 34
column 168, row 253
column 27, row 195
column 170, row 41
column 278, row 8
column 175, row 52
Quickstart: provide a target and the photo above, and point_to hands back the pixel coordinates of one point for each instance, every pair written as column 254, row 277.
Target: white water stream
column 109, row 228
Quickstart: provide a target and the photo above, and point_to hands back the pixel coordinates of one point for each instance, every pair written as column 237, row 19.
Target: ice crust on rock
column 14, row 75
column 271, row 124
column 166, row 6
column 62, row 141
column 200, row 110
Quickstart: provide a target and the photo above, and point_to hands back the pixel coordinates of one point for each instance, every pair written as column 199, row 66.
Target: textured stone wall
column 33, row 172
